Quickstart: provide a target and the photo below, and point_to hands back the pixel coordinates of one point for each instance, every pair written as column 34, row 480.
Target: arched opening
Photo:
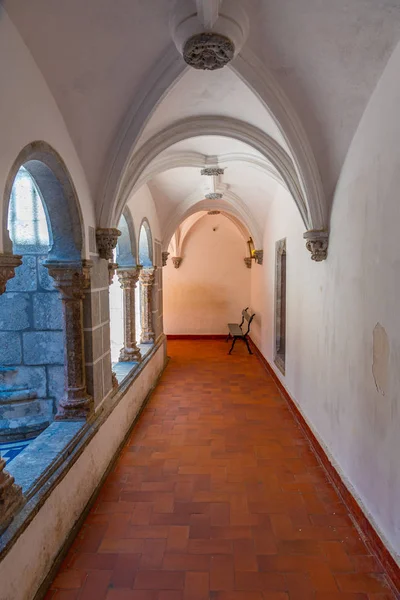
column 31, row 325
column 125, row 258
column 143, row 299
column 145, row 245
column 207, row 279
column 42, row 224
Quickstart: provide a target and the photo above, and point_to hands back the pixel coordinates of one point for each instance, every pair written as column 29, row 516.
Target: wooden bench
column 236, row 331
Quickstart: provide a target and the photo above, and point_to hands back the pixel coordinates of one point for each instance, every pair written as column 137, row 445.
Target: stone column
column 147, row 277
column 128, row 279
column 11, row 497
column 71, row 280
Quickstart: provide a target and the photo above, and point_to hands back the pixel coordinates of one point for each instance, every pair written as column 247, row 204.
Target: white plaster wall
column 333, row 308
column 28, row 112
column 24, row 568
column 212, row 285
column 142, row 206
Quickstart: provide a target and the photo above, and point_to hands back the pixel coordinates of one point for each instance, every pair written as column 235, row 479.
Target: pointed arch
column 126, row 247
column 59, row 196
column 184, row 232
column 224, row 127
column 145, row 244
column 308, row 186
column 233, row 211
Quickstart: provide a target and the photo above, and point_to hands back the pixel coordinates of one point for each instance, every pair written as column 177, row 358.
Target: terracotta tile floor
column 217, row 496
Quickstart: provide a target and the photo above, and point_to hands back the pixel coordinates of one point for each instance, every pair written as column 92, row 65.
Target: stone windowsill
column 124, row 369
column 46, row 460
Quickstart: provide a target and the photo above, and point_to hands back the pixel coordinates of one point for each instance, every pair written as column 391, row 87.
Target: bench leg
column 233, row 344
column 228, row 337
column 248, row 347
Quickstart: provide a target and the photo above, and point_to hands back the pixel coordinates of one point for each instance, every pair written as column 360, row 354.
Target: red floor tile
column 218, row 496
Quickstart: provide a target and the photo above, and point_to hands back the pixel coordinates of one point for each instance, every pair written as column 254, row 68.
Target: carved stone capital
column 8, row 264
column 70, row 279
column 128, row 278
column 11, row 497
column 176, row 261
column 107, row 240
column 147, row 275
column 112, row 267
column 164, row 258
column 259, row 256
column 208, row 51
column 247, row 262
column 317, row 243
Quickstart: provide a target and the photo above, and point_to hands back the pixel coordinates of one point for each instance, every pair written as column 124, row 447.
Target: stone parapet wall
column 31, row 336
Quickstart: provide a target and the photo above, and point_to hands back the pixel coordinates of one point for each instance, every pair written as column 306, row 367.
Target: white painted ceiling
column 98, row 55
column 181, row 188
column 219, row 93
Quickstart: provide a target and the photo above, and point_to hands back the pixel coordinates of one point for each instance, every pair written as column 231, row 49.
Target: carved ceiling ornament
column 8, row 264
column 214, row 196
column 107, row 239
column 212, row 171
column 317, row 243
column 208, row 51
column 259, row 256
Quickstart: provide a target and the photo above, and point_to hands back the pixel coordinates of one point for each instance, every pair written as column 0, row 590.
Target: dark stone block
column 14, row 312
column 10, row 348
column 43, row 348
column 47, row 311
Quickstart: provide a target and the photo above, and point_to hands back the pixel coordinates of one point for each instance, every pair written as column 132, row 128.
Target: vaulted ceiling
column 99, row 56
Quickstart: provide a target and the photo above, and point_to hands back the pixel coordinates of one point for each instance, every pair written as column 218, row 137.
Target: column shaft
column 128, row 279
column 71, row 280
column 147, row 277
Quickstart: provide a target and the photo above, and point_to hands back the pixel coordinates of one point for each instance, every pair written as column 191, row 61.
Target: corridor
column 216, row 495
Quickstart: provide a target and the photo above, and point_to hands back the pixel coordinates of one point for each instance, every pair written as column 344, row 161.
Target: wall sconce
column 252, row 250
column 247, row 260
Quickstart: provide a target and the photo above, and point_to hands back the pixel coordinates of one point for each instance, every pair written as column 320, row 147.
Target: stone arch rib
column 220, row 126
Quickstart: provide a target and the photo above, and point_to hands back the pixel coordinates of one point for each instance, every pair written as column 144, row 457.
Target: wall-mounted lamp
column 252, row 250
column 253, row 253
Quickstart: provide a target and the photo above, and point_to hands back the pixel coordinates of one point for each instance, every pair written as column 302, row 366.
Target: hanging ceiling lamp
column 214, row 173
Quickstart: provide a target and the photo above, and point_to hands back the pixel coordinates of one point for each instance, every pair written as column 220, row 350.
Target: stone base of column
column 130, row 355
column 11, row 497
column 74, row 410
column 148, row 338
